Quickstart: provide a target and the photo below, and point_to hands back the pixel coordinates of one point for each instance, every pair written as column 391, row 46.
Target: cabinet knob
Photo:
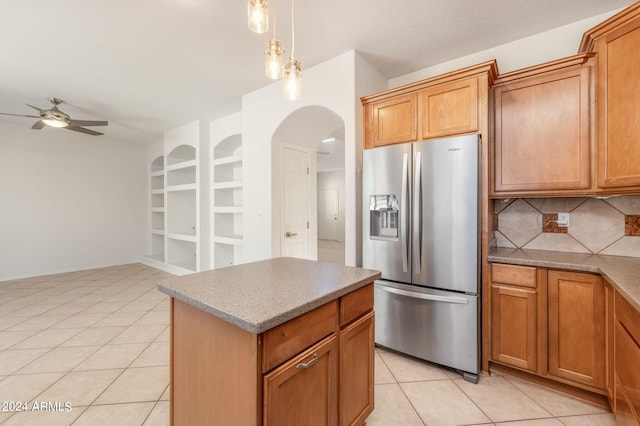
column 308, row 364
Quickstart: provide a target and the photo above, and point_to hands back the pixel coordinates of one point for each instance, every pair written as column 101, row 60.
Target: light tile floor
column 99, row 340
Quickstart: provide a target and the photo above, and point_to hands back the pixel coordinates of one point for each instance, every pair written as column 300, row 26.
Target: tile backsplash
column 596, row 225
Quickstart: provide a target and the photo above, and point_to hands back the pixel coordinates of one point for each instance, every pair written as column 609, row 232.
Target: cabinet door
column 576, row 327
column 513, row 326
column 627, row 354
column 542, row 132
column 356, row 371
column 610, row 383
column 304, row 390
column 393, row 120
column 618, row 113
column 449, row 109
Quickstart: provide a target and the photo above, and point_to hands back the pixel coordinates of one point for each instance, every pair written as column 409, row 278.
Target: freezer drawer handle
column 423, row 296
column 308, row 364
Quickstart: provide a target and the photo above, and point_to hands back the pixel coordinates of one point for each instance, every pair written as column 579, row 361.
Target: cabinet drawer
column 355, row 304
column 286, row 340
column 523, row 276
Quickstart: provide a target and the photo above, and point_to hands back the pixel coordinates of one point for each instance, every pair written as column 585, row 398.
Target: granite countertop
column 261, row 295
column 623, row 272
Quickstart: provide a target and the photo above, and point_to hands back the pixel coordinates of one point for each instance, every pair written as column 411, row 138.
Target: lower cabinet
column 304, row 390
column 356, row 373
column 627, row 362
column 316, row 369
column 514, row 317
column 550, row 323
column 576, row 327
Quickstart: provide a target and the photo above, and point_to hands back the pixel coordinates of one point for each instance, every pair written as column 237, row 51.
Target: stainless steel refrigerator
column 420, row 228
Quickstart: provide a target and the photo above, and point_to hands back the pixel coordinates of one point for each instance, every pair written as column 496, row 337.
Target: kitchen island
column 277, row 342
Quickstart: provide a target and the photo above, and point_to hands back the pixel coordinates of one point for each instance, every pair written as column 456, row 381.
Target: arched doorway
column 298, row 155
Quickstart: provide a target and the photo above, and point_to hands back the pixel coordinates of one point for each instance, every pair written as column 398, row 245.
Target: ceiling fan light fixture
column 55, row 123
column 258, row 14
column 292, row 80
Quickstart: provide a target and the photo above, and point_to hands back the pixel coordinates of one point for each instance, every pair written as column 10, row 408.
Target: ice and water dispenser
column 383, row 212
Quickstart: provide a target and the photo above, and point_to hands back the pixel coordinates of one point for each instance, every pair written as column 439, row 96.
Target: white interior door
column 295, row 193
column 328, row 214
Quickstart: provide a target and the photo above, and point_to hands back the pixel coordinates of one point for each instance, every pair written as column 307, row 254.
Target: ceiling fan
column 55, row 118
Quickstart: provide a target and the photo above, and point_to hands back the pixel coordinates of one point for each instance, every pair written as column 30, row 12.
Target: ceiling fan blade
column 20, row 115
column 87, row 123
column 38, row 125
column 83, row 130
column 36, row 108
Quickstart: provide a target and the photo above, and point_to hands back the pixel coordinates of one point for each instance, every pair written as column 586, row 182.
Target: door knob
column 290, row 234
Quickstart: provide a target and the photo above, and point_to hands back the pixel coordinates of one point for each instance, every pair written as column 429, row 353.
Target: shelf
column 235, row 240
column 227, row 160
column 228, row 185
column 157, row 231
column 183, row 187
column 157, row 192
column 158, row 173
column 157, row 209
column 234, row 210
column 182, row 165
column 182, row 237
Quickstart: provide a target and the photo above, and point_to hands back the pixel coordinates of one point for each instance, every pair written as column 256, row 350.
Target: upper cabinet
column 617, row 44
column 542, row 128
column 441, row 106
column 450, row 109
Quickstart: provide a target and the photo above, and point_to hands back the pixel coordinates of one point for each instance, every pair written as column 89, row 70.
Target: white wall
column 539, row 48
column 69, row 201
column 330, row 85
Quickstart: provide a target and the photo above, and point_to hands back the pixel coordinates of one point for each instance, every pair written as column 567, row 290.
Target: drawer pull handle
column 308, row 364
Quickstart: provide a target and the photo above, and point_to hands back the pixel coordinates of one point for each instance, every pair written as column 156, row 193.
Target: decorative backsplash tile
column 550, row 224
column 632, row 225
column 606, row 226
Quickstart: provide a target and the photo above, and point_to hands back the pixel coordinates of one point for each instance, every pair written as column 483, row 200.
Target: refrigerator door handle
column 425, row 296
column 404, row 201
column 417, row 213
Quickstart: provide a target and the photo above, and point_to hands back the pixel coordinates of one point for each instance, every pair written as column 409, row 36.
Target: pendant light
column 292, row 77
column 258, row 14
column 273, row 58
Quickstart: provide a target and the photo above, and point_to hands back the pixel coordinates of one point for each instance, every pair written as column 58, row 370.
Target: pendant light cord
column 293, row 39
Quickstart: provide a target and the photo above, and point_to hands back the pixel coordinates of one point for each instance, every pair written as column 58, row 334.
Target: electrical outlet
column 563, row 220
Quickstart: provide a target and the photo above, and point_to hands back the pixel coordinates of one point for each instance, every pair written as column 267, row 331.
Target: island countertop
column 261, row 295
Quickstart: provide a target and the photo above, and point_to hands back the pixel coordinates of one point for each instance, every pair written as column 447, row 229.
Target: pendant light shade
column 258, row 14
column 292, row 80
column 273, row 60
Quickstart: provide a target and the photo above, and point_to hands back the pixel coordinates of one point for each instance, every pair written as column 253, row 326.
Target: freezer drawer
column 437, row 326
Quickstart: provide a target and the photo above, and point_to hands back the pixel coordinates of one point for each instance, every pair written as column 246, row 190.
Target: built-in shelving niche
column 157, row 209
column 227, row 202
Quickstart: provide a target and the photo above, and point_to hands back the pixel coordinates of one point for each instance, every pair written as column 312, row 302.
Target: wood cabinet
column 304, row 390
column 316, row 369
column 609, row 318
column 576, row 321
column 627, row 360
column 542, row 129
column 514, row 316
column 393, row 120
column 617, row 44
column 449, row 109
column 446, row 105
column 550, row 323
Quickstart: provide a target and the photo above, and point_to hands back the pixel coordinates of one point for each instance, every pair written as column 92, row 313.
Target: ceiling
column 150, row 66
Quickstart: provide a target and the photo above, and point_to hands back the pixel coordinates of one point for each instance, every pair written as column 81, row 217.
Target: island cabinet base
column 316, row 369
